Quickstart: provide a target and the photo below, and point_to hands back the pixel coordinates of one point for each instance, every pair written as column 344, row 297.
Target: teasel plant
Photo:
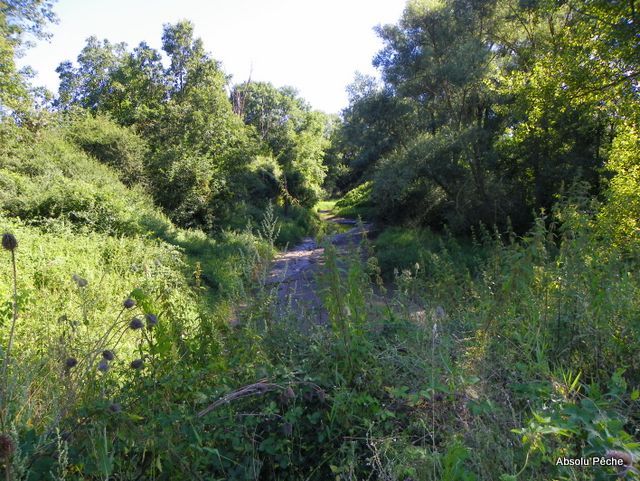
column 77, row 363
column 7, row 444
column 99, row 357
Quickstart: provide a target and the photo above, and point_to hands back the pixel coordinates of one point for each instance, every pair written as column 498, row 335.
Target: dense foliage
column 202, row 161
column 488, row 109
column 489, row 328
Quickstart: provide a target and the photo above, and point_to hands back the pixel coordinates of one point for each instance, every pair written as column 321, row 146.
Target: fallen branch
column 255, row 389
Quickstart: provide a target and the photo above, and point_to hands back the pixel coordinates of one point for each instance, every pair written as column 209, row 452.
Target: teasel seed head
column 624, row 456
column 81, row 282
column 136, row 323
column 152, row 320
column 70, row 362
column 103, row 365
column 9, row 241
column 7, row 447
column 287, row 429
column 137, row 364
column 321, row 395
column 287, row 395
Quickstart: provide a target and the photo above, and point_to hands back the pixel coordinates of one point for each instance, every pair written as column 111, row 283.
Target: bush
column 297, row 223
column 399, row 249
column 49, row 178
column 357, row 202
column 116, row 146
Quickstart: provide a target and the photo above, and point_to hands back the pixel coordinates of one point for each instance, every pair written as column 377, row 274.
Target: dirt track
column 294, row 271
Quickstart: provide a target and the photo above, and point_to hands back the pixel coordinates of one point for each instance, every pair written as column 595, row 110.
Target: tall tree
column 490, row 106
column 292, row 133
column 138, row 87
column 185, row 52
column 196, row 142
column 20, row 21
column 440, row 58
column 90, row 83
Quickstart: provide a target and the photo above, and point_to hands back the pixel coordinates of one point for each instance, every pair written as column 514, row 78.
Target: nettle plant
column 87, row 367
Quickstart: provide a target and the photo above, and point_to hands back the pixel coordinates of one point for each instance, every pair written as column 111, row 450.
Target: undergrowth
column 163, row 355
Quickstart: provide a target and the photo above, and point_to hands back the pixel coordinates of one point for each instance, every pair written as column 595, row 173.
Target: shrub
column 357, row 202
column 49, row 178
column 116, row 146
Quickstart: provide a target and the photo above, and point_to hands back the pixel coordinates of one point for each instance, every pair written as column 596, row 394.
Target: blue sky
column 314, row 46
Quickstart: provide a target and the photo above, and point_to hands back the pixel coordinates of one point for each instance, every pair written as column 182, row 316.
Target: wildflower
column 9, row 241
column 129, row 303
column 7, row 447
column 108, row 355
column 136, row 323
column 103, row 365
column 152, row 320
column 71, row 362
column 81, row 282
column 115, row 407
column 137, row 364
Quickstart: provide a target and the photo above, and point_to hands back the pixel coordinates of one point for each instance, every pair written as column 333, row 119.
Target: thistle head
column 108, row 355
column 9, row 241
column 129, row 303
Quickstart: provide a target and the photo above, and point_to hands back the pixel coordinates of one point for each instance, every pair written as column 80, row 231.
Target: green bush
column 357, row 202
column 398, row 249
column 116, row 146
column 298, row 222
column 49, row 178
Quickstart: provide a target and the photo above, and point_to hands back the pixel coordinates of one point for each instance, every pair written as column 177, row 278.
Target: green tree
column 88, row 84
column 20, row 21
column 186, row 53
column 489, row 107
column 439, row 58
column 198, row 143
column 292, row 133
column 375, row 123
column 138, row 88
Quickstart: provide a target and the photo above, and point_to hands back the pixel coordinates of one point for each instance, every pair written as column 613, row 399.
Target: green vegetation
column 357, row 202
column 487, row 110
column 488, row 329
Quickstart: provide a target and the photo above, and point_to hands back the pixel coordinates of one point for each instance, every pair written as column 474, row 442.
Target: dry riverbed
column 294, row 271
